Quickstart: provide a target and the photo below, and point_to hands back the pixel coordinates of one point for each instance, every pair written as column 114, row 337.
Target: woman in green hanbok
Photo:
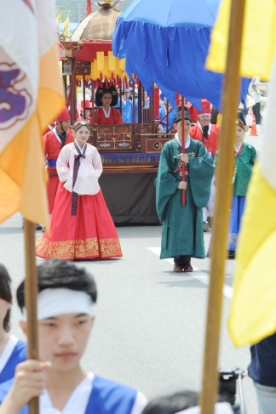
column 182, row 235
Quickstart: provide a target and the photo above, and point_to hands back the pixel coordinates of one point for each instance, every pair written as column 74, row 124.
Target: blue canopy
column 167, row 42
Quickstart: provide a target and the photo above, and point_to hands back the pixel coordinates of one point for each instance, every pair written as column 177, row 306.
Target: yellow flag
column 253, row 310
column 31, row 95
column 66, row 26
column 259, row 39
column 58, row 15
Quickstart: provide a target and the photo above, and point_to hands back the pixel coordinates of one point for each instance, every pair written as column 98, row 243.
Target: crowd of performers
column 81, row 226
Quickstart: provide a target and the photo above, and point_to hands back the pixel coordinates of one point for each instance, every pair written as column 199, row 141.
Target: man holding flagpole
column 182, row 235
column 66, row 302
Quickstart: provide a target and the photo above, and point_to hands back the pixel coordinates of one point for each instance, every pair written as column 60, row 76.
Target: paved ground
column 150, row 323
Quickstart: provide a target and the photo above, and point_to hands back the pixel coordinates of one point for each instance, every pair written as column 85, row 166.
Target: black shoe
column 231, row 254
column 38, row 227
column 186, row 263
column 177, row 268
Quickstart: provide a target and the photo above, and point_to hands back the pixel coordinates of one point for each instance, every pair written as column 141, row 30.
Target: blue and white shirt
column 93, row 395
column 13, row 354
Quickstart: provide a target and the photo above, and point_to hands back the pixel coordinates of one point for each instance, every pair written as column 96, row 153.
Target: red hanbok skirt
column 52, row 188
column 90, row 234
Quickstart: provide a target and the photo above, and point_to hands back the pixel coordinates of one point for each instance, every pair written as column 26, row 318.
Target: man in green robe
column 182, row 235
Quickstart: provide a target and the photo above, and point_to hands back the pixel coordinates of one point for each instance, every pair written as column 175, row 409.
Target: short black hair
column 5, row 294
column 171, row 404
column 54, row 274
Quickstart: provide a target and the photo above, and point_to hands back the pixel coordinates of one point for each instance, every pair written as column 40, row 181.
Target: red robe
column 51, row 148
column 114, row 118
column 212, row 142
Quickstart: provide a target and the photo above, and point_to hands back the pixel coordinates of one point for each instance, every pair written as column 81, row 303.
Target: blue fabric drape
column 167, row 42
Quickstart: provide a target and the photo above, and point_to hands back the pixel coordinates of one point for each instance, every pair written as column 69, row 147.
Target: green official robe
column 182, row 232
column 244, row 164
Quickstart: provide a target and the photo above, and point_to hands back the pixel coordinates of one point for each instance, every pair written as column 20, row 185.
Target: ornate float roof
column 97, row 26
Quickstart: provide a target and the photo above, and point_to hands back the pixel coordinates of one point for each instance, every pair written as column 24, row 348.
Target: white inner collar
column 239, row 147
column 81, row 149
column 77, row 402
column 107, row 114
column 209, row 130
column 8, row 350
column 187, row 143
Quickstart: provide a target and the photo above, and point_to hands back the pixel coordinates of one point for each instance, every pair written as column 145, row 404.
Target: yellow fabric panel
column 253, row 311
column 112, row 62
column 22, row 163
column 100, row 61
column 95, row 73
column 259, row 39
column 106, row 73
column 118, row 69
column 50, row 98
column 9, row 196
column 22, row 169
column 122, row 64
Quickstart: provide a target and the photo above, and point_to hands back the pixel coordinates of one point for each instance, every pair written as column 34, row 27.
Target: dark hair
column 171, row 404
column 5, row 294
column 102, row 91
column 240, row 123
column 53, row 274
column 79, row 124
column 241, row 117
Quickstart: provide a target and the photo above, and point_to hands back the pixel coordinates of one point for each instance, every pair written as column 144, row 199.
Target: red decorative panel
column 114, row 138
column 141, row 130
column 154, row 144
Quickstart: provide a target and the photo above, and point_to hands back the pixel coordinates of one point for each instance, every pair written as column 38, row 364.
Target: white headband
column 54, row 302
column 220, row 408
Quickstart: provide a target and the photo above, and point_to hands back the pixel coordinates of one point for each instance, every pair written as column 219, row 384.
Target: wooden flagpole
column 183, row 150
column 31, row 300
column 224, row 174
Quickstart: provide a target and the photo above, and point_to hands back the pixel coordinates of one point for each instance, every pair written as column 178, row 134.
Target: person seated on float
column 106, row 98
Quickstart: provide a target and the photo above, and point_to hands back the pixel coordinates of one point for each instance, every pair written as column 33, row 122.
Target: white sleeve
column 97, row 163
column 62, row 164
column 140, row 403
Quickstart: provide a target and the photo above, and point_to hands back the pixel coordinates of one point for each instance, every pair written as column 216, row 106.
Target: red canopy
column 86, row 49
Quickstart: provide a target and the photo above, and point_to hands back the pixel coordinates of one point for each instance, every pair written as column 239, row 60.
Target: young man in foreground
column 66, row 300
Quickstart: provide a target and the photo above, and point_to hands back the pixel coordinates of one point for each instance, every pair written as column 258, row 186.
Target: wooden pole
column 167, row 115
column 133, row 103
column 83, row 96
column 183, row 150
column 31, row 300
column 224, row 174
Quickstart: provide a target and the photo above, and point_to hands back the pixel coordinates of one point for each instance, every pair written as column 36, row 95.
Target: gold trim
column 78, row 249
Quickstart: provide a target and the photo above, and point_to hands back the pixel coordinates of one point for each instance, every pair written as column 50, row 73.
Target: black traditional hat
column 178, row 116
column 101, row 91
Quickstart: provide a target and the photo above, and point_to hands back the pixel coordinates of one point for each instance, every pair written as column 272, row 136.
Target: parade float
column 130, row 152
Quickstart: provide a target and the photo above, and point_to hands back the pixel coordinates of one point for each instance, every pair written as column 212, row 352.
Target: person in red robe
column 208, row 134
column 204, row 131
column 53, row 142
column 106, row 99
